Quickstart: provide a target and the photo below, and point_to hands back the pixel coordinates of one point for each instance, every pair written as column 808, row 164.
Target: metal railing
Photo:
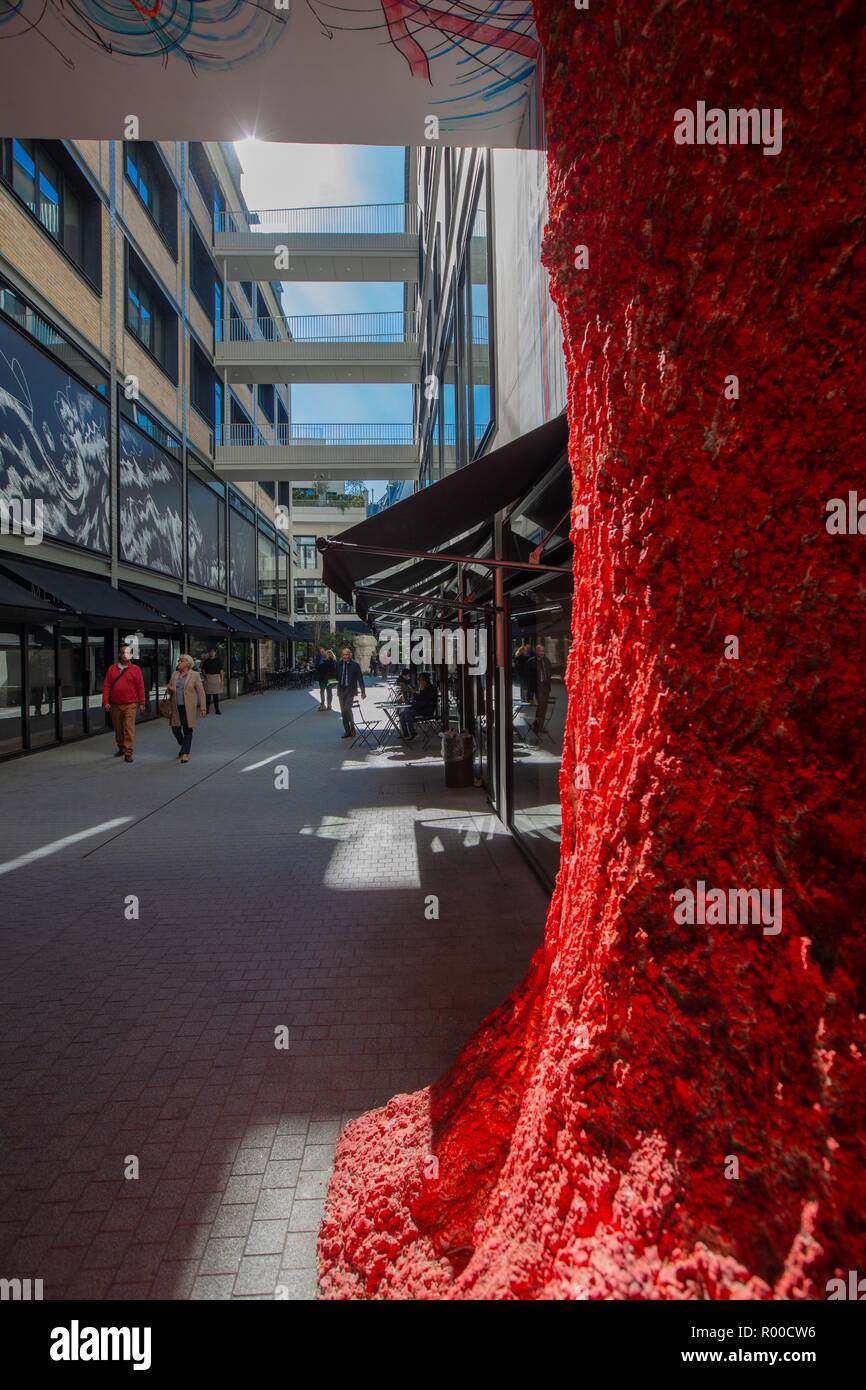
column 309, row 497
column 387, row 327
column 358, row 219
column 326, row 435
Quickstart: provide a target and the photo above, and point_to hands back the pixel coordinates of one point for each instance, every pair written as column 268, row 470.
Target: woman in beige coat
column 187, row 698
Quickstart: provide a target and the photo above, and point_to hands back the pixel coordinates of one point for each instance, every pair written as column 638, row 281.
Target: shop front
column 59, row 632
column 473, row 576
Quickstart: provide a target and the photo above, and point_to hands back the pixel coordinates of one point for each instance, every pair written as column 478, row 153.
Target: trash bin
column 457, row 756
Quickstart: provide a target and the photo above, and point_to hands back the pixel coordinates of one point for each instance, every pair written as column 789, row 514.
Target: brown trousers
column 123, row 719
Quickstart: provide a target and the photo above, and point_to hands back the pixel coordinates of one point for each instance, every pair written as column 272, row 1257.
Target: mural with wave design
column 151, row 504
column 243, row 558
column 206, row 563
column 53, row 444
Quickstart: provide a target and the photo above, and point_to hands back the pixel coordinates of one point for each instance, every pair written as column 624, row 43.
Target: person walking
column 214, row 673
column 325, row 667
column 187, row 700
column 521, row 660
column 350, row 680
column 423, row 706
column 122, row 692
column 538, row 670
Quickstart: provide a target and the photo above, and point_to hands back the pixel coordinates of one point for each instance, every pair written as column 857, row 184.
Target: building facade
column 113, row 306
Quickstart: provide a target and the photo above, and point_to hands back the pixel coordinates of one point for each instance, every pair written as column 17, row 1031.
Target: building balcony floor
column 258, row 909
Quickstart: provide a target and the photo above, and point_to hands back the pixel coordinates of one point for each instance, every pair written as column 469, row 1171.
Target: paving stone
column 156, row 1038
column 258, row 1274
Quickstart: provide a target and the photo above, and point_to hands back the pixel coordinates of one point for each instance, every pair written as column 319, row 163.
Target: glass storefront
column 42, row 688
column 100, row 647
column 71, row 671
column 11, row 693
column 242, row 669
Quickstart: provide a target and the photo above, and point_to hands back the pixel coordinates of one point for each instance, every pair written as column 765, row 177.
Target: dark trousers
column 347, row 699
column 325, row 691
column 212, row 699
column 183, row 733
column 406, row 715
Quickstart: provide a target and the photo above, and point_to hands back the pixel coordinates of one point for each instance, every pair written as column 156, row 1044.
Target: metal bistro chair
column 367, row 729
column 428, row 725
column 540, row 731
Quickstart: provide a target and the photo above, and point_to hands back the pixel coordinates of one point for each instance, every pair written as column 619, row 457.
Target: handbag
column 166, row 704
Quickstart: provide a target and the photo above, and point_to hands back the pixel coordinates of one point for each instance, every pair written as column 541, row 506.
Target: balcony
column 374, row 242
column 334, row 452
column 348, row 348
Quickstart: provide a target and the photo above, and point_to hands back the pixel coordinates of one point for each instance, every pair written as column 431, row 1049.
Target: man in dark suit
column 538, row 671
column 350, row 681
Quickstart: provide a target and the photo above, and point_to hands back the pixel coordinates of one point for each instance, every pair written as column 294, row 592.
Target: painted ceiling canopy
column 319, row 71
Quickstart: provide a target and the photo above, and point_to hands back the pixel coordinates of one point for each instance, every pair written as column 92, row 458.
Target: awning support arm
column 422, row 600
column 323, row 544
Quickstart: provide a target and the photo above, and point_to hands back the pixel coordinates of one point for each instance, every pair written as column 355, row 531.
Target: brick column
column 666, row 1109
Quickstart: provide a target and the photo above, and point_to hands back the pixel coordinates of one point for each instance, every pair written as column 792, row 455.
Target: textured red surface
column 582, row 1135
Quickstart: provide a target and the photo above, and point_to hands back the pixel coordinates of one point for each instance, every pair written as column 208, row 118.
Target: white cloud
column 293, row 176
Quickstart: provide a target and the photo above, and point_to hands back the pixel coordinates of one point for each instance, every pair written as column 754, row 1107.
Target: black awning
column 431, row 518
column 85, row 595
column 415, row 581
column 241, row 624
column 273, row 628
column 21, row 601
column 171, row 606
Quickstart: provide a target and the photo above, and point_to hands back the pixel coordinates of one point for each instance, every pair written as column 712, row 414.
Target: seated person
column 423, row 706
column 403, row 685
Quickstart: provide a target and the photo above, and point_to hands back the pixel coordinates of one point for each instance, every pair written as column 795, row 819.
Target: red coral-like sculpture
column 582, row 1145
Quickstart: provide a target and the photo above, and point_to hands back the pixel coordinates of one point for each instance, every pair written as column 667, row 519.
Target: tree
column 584, row 1139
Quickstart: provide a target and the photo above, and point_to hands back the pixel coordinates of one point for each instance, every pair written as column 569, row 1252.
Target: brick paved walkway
column 153, row 1039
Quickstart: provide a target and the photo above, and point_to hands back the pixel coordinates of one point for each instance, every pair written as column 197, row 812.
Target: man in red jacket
column 122, row 690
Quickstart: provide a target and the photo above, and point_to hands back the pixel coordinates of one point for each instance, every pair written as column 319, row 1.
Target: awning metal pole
column 421, row 600
column 486, row 562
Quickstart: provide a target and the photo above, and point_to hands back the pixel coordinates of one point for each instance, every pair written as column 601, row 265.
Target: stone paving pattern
column 259, row 909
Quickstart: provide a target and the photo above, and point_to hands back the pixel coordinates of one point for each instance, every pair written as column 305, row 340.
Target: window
column 267, row 402
column 306, row 555
column 282, row 423
column 149, row 176
column 242, row 426
column 46, row 179
column 311, row 596
column 218, row 410
column 203, row 384
column 218, row 311
column 149, row 315
column 239, row 329
column 249, row 291
column 203, row 278
column 199, row 167
column 475, row 334
column 21, row 311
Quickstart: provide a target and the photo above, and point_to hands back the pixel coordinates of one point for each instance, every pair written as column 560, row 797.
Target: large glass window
column 44, row 175
column 540, row 642
column 72, row 682
column 449, row 439
column 306, row 555
column 150, row 316
column 476, row 337
column 147, row 661
column 311, row 596
column 203, row 279
column 203, row 383
column 267, row 577
column 99, row 658
column 147, row 172
column 11, row 693
column 42, row 705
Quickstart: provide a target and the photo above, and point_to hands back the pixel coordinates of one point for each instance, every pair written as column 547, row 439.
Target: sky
column 297, row 176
